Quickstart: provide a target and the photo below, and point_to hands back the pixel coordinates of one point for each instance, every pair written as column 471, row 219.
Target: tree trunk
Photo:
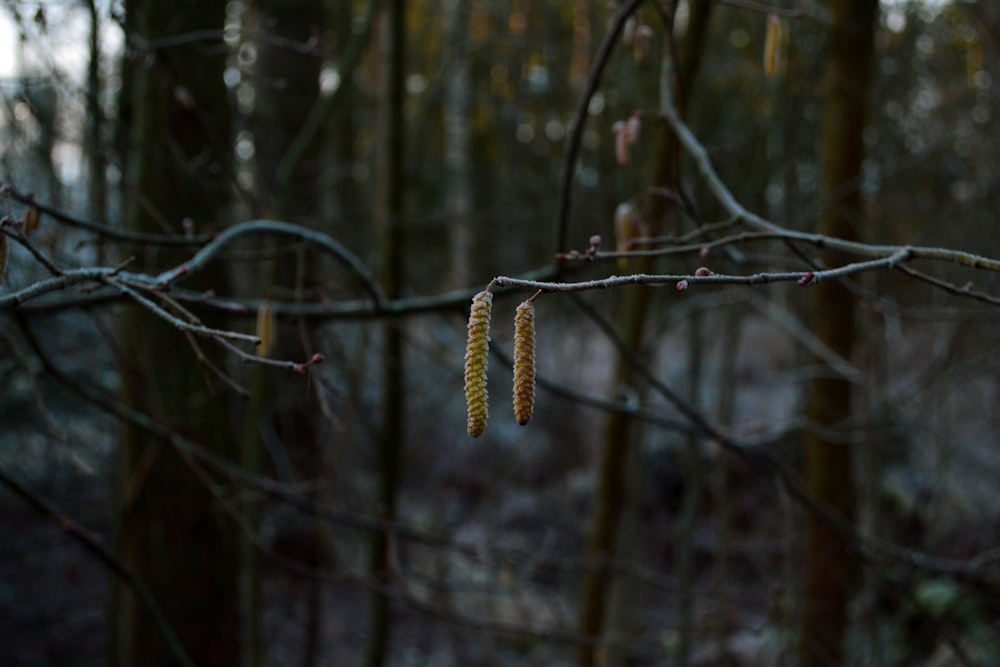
column 457, row 143
column 169, row 529
column 389, row 198
column 620, row 437
column 828, row 467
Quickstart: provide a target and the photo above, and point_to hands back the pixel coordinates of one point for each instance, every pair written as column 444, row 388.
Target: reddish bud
column 807, row 279
column 317, row 359
column 682, row 285
column 632, row 129
column 703, row 253
column 595, row 240
column 703, row 271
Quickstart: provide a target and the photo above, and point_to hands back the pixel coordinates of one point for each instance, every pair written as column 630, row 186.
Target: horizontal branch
column 355, row 309
column 820, row 241
column 682, row 281
column 68, row 278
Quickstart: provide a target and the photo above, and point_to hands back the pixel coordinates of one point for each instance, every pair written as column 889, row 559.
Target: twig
column 93, row 544
column 213, row 368
column 177, row 322
column 107, row 231
column 30, row 247
column 579, row 120
column 965, row 291
column 295, row 367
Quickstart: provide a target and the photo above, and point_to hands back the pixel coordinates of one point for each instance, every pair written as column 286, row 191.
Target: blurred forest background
column 776, row 474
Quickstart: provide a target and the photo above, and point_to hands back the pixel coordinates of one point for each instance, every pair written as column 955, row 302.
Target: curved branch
column 580, row 119
column 278, row 228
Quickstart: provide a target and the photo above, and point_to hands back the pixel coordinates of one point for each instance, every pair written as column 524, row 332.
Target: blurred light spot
column 244, row 146
column 596, row 105
column 775, row 194
column 538, row 78
column 554, row 130
column 329, row 80
column 244, row 178
column 247, row 54
column 245, row 98
column 895, row 20
column 525, row 133
column 925, row 45
column 961, row 191
column 587, row 176
column 739, row 38
column 22, row 111
column 416, row 84
column 232, row 77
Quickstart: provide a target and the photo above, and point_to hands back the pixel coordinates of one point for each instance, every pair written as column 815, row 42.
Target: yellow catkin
column 772, row 46
column 476, row 351
column 265, row 329
column 32, row 218
column 629, row 226
column 524, row 362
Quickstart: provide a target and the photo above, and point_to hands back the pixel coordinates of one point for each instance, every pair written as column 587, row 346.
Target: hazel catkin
column 524, row 362
column 476, row 351
column 772, row 46
column 265, row 329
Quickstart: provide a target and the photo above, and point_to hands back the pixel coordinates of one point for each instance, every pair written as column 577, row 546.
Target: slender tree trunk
column 620, row 436
column 96, row 185
column 457, row 142
column 170, row 531
column 287, row 82
column 828, row 576
column 389, row 212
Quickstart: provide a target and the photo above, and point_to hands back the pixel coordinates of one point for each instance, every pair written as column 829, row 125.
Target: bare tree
column 170, row 532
